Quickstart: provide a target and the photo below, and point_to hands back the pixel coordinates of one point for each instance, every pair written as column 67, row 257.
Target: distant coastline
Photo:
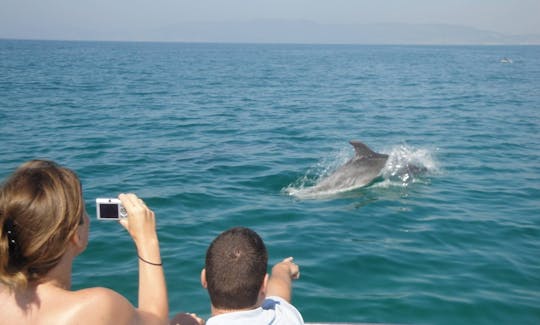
column 203, row 43
column 290, row 32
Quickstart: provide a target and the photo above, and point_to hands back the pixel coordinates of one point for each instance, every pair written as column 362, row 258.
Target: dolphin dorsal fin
column 363, row 151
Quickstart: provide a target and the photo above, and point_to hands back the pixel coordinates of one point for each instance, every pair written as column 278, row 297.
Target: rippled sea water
column 218, row 135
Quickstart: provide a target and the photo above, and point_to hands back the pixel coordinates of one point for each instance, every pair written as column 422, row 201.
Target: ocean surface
column 219, row 135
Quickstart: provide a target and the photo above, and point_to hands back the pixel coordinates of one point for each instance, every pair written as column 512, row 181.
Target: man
column 241, row 292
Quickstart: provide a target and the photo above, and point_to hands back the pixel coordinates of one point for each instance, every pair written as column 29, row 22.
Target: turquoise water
column 218, row 135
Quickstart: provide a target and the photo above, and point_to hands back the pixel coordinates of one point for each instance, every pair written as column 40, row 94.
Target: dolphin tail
column 363, row 151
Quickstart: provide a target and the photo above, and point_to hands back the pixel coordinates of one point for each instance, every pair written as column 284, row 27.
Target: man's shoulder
column 274, row 302
column 274, row 310
column 285, row 312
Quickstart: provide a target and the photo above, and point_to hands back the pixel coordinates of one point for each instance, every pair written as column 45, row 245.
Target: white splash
column 406, row 165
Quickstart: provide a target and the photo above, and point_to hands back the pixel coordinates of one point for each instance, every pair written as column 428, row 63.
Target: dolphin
column 359, row 171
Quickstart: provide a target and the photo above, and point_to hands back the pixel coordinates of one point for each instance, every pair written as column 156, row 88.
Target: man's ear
column 264, row 284
column 203, row 279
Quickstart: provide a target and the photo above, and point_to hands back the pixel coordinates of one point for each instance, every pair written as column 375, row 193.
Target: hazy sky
column 60, row 17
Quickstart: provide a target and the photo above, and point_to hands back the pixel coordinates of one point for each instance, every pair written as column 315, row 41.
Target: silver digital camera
column 110, row 209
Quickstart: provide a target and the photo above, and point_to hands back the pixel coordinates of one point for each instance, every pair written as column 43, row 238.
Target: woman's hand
column 140, row 222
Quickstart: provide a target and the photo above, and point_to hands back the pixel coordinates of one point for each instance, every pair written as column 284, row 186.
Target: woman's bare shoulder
column 101, row 306
column 98, row 292
column 55, row 305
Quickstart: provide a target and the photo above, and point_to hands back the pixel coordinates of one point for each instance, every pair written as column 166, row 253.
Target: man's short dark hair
column 236, row 264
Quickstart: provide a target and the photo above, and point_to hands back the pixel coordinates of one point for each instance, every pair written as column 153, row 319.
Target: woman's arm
column 141, row 225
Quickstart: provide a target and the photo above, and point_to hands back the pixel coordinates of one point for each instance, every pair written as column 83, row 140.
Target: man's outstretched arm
column 280, row 281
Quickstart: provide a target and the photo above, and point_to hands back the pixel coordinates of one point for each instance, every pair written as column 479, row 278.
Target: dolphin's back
column 361, row 170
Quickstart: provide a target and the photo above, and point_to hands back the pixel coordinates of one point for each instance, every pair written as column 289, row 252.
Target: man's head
column 235, row 270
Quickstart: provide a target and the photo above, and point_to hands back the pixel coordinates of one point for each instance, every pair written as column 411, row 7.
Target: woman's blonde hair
column 41, row 207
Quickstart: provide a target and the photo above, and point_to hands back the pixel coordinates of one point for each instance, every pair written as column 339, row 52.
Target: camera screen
column 108, row 211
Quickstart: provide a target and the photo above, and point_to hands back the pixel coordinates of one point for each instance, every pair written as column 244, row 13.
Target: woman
column 43, row 227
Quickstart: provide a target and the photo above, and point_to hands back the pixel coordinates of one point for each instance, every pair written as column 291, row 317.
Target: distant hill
column 281, row 31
